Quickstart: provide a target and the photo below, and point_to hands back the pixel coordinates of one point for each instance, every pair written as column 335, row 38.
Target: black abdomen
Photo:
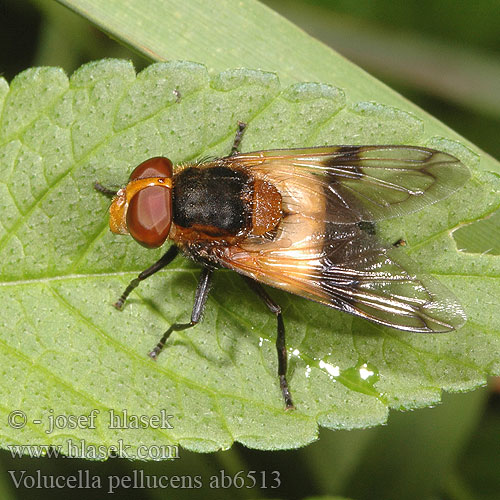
column 215, row 197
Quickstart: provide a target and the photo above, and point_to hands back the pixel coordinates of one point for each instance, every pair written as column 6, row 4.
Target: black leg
column 237, row 138
column 167, row 258
column 280, row 339
column 104, row 190
column 200, row 300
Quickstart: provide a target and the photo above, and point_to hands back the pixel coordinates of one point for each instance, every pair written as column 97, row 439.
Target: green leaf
column 66, row 350
column 248, row 33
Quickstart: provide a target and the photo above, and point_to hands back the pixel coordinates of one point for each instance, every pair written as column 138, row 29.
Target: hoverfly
column 301, row 220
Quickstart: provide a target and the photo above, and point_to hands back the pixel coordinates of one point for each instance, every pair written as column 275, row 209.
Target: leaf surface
column 65, row 350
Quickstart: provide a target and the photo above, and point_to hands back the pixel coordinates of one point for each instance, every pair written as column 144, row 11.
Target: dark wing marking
column 321, row 252
column 372, row 182
column 351, row 272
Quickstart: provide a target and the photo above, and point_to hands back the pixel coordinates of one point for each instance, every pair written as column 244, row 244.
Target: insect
column 301, row 220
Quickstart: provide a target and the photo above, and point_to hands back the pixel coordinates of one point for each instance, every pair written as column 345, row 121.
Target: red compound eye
column 149, row 214
column 158, row 166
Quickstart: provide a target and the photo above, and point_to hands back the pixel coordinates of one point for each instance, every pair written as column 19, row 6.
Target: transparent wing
column 348, row 271
column 369, row 182
column 321, row 251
